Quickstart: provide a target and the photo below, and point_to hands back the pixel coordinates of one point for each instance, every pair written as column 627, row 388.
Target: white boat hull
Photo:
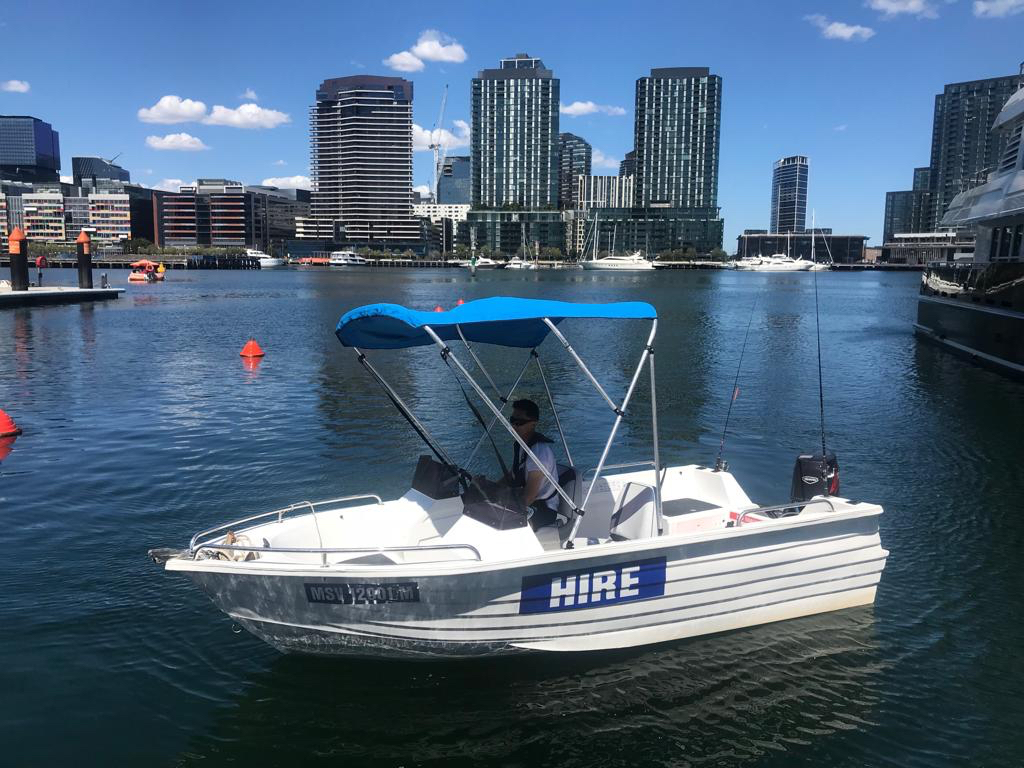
column 271, row 261
column 597, row 597
column 621, row 266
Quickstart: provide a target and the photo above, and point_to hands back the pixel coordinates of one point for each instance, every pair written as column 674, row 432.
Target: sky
column 188, row 89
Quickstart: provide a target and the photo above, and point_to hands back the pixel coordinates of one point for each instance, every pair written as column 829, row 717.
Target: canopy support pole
column 403, row 409
column 551, row 402
column 497, row 392
column 504, row 401
column 654, row 431
column 446, row 352
column 579, row 362
column 619, row 413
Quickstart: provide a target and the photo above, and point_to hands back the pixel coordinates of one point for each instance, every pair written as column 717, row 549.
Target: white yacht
column 265, row 260
column 483, row 262
column 778, row 262
column 347, row 259
column 518, row 263
column 640, row 553
column 629, row 262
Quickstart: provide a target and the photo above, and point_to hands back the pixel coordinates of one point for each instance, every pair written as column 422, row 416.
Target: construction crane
column 437, row 143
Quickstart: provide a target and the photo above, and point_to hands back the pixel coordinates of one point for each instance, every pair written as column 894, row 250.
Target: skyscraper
column 909, row 210
column 627, row 166
column 361, row 160
column 677, row 130
column 574, row 156
column 514, row 139
column 964, row 147
column 789, row 195
column 29, row 149
column 453, row 188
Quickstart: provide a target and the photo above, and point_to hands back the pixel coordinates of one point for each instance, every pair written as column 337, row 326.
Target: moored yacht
column 347, row 259
column 629, row 262
column 778, row 262
column 265, row 260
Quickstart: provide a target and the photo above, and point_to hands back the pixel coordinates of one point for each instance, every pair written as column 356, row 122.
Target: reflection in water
column 749, row 693
column 6, row 446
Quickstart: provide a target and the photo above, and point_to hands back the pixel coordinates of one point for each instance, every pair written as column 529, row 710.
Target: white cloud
column 247, row 116
column 422, row 138
column 600, row 160
column 921, row 8
column 173, row 109
column 181, row 142
column 67, row 179
column 279, row 162
column 993, row 9
column 578, row 108
column 15, row 86
column 423, row 189
column 169, row 185
column 288, row 182
column 838, row 30
column 437, row 46
column 840, row 127
column 249, row 95
column 403, row 61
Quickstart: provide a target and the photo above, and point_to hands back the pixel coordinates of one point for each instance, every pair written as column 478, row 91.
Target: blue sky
column 850, row 84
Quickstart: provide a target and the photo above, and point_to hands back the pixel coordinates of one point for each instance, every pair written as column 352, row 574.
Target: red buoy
column 6, row 445
column 7, row 426
column 251, row 349
column 459, row 303
column 439, row 308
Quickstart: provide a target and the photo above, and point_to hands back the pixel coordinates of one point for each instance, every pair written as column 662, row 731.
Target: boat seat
column 635, row 515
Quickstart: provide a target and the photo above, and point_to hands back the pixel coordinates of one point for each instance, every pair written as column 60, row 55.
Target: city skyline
column 229, row 122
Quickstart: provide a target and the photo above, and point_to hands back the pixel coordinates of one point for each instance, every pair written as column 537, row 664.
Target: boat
column 146, row 271
column 629, row 262
column 517, row 263
column 483, row 262
column 974, row 307
column 819, row 266
column 265, row 260
column 778, row 262
column 314, row 261
column 641, row 553
column 347, row 259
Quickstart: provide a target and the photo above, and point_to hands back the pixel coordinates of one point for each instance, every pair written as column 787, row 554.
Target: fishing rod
column 721, row 466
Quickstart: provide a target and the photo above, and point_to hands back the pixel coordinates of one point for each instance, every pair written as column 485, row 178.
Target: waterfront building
column 361, row 162
column 655, row 230
column 3, row 223
column 455, row 186
column 843, row 249
column 574, row 159
column 506, row 231
column 605, row 192
column 917, row 248
column 88, row 171
column 213, row 212
column 514, row 136
column 284, row 208
column 438, row 211
column 43, row 217
column 627, row 166
column 908, row 210
column 29, row 150
column 964, row 147
column 789, row 194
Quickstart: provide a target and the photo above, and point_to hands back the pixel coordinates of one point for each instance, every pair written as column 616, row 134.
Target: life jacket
column 519, row 462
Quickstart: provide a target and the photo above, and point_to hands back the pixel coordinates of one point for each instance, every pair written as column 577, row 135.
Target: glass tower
column 514, row 140
column 29, row 149
column 453, row 188
column 574, row 157
column 789, row 195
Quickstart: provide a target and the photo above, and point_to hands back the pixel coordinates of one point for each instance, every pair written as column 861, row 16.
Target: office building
column 284, row 208
column 29, row 150
column 361, row 162
column 676, row 135
column 454, row 187
column 574, row 157
column 789, row 195
column 213, row 212
column 514, row 138
column 909, row 210
column 89, row 171
column 965, row 149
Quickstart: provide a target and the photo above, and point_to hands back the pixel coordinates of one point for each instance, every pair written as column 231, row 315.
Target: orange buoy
column 251, row 349
column 6, row 446
column 439, row 308
column 459, row 303
column 7, row 426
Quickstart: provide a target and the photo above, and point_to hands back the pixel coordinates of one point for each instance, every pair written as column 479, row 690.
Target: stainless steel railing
column 325, row 551
column 311, row 505
column 780, row 508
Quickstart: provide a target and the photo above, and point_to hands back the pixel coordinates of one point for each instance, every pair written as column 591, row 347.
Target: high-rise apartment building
column 454, row 187
column 964, row 147
column 29, row 149
column 604, row 192
column 514, row 138
column 677, row 129
column 361, row 161
column 574, row 158
column 789, row 195
column 909, row 210
column 627, row 166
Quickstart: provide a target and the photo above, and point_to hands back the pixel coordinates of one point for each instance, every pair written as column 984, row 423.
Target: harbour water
column 143, row 425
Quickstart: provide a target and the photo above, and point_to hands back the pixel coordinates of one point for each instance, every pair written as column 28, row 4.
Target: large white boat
column 517, row 263
column 265, row 260
column 347, row 259
column 483, row 262
column 639, row 553
column 630, row 262
column 778, row 262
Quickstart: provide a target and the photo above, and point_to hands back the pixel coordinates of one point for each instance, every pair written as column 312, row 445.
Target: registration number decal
column 363, row 594
column 598, row 586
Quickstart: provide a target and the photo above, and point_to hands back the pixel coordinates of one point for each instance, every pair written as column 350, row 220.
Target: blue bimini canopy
column 508, row 322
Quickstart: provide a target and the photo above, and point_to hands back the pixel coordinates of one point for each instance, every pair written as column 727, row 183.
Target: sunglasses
column 517, row 422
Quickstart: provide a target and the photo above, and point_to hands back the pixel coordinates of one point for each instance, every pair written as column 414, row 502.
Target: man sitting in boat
column 537, row 491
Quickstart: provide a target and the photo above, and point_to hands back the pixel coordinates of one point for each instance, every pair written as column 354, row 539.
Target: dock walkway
column 35, row 296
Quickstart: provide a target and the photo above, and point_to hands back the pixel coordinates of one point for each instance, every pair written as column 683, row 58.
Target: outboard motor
column 815, row 475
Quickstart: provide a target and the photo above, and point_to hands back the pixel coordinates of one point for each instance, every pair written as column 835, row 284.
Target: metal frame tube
column 504, row 401
column 551, row 402
column 579, row 361
column 446, row 351
column 479, row 365
column 657, row 458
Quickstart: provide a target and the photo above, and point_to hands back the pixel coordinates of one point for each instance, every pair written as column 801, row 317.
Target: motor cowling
column 815, row 475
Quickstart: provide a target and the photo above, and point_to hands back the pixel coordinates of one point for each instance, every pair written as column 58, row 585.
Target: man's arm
column 534, row 480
